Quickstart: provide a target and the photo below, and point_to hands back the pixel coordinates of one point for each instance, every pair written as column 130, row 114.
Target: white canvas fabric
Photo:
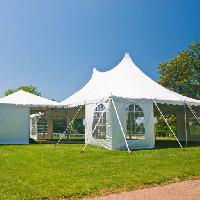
column 33, row 124
column 89, row 115
column 118, row 141
column 114, row 137
column 14, row 124
column 27, row 99
column 125, row 84
column 128, row 81
column 15, row 116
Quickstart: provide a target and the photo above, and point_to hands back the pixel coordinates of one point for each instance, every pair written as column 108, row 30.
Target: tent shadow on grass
column 160, row 143
column 165, row 144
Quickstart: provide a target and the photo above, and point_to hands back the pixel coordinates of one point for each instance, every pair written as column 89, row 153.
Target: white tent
column 15, row 116
column 120, row 100
column 27, row 99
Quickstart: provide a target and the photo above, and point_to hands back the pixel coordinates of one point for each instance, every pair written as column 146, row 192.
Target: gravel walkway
column 186, row 190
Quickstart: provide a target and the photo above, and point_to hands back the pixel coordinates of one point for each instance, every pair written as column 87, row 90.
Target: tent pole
column 69, row 124
column 186, row 133
column 93, row 130
column 167, row 124
column 122, row 130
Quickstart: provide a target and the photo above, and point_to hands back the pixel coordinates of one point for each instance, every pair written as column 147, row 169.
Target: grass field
column 41, row 171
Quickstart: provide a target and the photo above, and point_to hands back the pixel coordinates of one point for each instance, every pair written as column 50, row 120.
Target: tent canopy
column 27, row 99
column 125, row 80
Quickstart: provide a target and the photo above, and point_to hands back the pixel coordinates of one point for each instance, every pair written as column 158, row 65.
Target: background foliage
column 31, row 89
column 180, row 74
column 162, row 130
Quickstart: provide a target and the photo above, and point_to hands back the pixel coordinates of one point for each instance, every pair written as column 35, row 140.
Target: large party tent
column 121, row 105
column 15, row 110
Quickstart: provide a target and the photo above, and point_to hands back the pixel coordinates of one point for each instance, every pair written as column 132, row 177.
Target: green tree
column 31, row 89
column 182, row 73
column 162, row 130
column 78, row 125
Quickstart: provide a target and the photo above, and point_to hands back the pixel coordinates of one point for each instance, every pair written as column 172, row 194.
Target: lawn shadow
column 166, row 144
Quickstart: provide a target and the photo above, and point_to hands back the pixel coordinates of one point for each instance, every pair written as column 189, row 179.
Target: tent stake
column 122, row 130
column 167, row 124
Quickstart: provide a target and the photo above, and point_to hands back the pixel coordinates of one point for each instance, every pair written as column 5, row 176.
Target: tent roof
column 125, row 80
column 27, row 99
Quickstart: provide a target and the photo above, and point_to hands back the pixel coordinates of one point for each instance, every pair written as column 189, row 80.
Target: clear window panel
column 99, row 121
column 42, row 126
column 135, row 122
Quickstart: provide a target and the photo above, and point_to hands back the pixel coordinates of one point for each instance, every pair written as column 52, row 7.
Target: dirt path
column 186, row 190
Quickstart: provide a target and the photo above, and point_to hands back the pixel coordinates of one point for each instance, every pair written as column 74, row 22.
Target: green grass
column 41, row 171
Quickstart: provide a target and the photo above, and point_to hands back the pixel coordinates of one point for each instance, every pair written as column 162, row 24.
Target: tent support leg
column 69, row 124
column 122, row 130
column 185, row 118
column 167, row 124
column 93, row 130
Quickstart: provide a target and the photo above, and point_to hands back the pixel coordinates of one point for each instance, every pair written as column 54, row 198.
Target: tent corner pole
column 122, row 130
column 185, row 120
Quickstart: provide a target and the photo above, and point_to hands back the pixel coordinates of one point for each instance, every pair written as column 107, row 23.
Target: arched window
column 42, row 126
column 100, row 118
column 135, row 122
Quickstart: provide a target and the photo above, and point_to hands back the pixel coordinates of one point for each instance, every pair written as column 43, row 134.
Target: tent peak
column 126, row 55
column 128, row 59
column 94, row 70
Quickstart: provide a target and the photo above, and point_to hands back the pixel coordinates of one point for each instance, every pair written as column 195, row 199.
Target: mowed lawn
column 41, row 171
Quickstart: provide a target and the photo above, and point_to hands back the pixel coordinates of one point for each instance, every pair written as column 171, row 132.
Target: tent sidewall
column 118, row 141
column 114, row 136
column 14, row 124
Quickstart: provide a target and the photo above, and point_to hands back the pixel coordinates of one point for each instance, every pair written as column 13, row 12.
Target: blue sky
column 54, row 44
